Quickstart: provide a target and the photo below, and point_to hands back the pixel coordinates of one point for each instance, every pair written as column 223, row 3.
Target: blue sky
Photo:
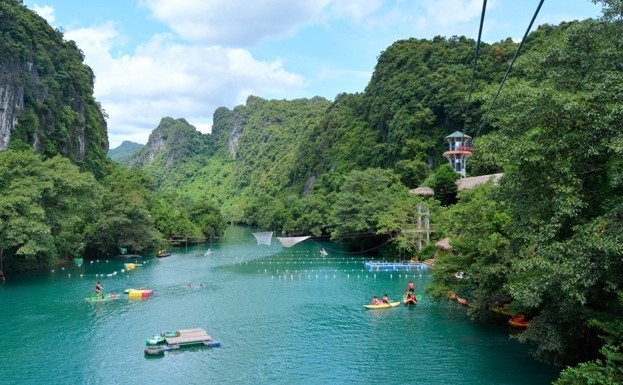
column 185, row 58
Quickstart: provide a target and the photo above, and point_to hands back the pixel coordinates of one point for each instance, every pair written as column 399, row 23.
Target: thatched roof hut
column 467, row 183
column 462, row 184
column 422, row 191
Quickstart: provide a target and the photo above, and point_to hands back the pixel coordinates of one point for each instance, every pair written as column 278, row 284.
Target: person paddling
column 375, row 301
column 385, row 299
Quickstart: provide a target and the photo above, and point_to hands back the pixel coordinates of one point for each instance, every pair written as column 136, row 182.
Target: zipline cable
column 471, row 85
column 484, row 118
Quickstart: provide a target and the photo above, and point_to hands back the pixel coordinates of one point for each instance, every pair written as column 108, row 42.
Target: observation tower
column 459, row 149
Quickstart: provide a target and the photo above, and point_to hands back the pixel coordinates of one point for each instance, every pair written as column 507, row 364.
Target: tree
column 363, row 198
column 24, row 233
column 125, row 220
column 70, row 203
column 444, row 184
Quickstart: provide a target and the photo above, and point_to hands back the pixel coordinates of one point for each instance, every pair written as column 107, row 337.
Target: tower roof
column 458, row 134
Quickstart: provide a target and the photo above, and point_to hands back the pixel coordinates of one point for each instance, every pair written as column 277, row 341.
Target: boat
column 155, row 350
column 501, row 310
column 175, row 333
column 131, row 266
column 519, row 321
column 163, row 253
column 158, row 350
column 155, row 340
column 108, row 297
column 383, row 305
column 452, row 295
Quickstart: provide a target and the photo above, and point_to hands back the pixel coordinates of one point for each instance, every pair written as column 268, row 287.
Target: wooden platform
column 189, row 337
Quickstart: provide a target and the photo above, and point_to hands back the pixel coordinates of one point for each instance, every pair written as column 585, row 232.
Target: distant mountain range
column 125, row 150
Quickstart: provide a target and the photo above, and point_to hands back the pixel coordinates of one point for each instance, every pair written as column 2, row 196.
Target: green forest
column 544, row 241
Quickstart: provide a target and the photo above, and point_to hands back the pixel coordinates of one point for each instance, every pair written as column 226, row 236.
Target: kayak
column 108, row 297
column 519, row 321
column 382, row 305
column 501, row 310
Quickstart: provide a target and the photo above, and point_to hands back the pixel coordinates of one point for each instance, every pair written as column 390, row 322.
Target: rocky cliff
column 46, row 92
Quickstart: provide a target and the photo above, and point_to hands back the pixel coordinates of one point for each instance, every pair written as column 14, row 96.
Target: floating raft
column 395, row 266
column 195, row 336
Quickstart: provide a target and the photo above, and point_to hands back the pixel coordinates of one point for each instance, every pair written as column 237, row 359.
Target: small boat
column 155, row 350
column 131, row 266
column 382, row 305
column 519, row 321
column 175, row 333
column 501, row 310
column 462, row 301
column 108, row 297
column 163, row 253
column 155, row 340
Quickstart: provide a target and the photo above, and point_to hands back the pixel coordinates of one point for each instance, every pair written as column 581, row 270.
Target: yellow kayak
column 382, row 305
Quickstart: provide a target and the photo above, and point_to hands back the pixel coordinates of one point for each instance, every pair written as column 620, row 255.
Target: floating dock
column 395, row 266
column 196, row 336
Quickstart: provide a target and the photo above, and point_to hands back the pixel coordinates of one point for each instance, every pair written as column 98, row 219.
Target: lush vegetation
column 50, row 210
column 124, row 152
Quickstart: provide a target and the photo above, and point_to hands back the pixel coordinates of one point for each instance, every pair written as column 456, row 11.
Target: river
column 282, row 315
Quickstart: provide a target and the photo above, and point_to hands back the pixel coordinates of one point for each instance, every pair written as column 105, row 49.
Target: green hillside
column 125, row 150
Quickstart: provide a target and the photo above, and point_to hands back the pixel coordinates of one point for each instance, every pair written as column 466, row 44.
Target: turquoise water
column 283, row 315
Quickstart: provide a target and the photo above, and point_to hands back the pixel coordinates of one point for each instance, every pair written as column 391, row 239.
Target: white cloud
column 235, row 23
column 164, row 78
column 355, row 9
column 449, row 12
